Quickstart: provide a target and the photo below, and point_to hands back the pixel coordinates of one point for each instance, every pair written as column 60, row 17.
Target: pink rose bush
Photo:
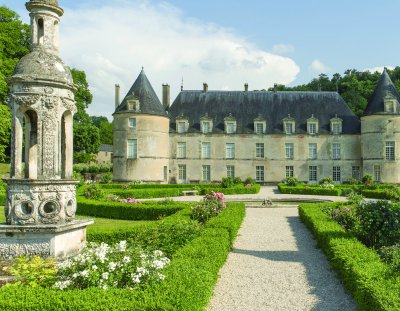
column 211, row 206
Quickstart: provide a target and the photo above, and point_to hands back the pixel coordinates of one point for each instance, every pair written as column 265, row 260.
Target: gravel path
column 274, row 265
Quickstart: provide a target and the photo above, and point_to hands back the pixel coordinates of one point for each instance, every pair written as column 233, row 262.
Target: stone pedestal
column 43, row 240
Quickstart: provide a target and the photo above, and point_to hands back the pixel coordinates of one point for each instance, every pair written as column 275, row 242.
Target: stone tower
column 41, row 201
column 141, row 135
column 380, row 136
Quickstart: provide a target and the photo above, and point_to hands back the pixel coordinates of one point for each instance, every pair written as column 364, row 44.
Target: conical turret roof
column 384, row 89
column 142, row 90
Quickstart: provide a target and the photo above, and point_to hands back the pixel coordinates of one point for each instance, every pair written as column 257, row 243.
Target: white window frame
column 355, row 172
column 206, row 173
column 230, row 127
column 312, row 128
column 336, row 174
column 289, row 171
column 132, row 122
column 260, row 173
column 336, row 126
column 289, row 151
column 377, row 173
column 230, row 171
column 312, row 151
column 260, row 152
column 181, row 150
column 312, row 173
column 206, row 127
column 181, row 127
column 182, row 177
column 390, row 150
column 289, row 127
column 336, row 151
column 131, row 149
column 229, row 150
column 205, row 150
column 259, row 127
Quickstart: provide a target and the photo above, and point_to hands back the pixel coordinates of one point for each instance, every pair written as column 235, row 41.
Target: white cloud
column 379, row 69
column 112, row 42
column 318, row 67
column 282, row 48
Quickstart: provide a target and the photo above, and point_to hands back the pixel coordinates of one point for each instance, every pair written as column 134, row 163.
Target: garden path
column 274, row 265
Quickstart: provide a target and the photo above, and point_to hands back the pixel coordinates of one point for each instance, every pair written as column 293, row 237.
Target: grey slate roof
column 384, row 88
column 271, row 106
column 149, row 102
column 106, row 148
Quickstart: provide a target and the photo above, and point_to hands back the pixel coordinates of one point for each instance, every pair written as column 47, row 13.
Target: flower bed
column 366, row 277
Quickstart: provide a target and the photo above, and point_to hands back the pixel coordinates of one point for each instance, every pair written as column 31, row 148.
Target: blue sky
column 224, row 43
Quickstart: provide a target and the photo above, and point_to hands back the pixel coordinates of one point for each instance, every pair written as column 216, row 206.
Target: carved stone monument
column 41, row 201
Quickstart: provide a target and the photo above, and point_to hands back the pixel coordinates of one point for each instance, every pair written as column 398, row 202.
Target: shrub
column 344, row 216
column 249, row 181
column 237, row 181
column 106, row 267
column 227, row 182
column 106, row 178
column 211, row 206
column 93, row 192
column 367, row 180
column 378, row 223
column 327, row 185
column 326, row 180
column 290, row 181
column 391, row 256
column 355, row 198
column 352, row 181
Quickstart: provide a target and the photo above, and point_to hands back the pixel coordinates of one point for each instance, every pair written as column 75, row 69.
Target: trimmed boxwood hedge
column 188, row 285
column 365, row 276
column 145, row 193
column 152, row 186
column 128, row 211
column 309, row 190
column 375, row 194
column 233, row 190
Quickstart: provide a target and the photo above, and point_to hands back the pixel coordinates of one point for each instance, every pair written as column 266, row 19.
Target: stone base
column 43, row 240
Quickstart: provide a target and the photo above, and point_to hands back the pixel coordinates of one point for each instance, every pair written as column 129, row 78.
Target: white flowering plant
column 105, row 266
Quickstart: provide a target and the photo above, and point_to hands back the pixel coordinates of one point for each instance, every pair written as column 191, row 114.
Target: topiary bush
column 290, row 181
column 227, row 182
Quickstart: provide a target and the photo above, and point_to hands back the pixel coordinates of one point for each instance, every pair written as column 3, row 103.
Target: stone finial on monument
column 41, row 200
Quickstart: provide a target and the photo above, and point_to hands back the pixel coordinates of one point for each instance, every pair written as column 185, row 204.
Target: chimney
column 205, row 87
column 117, row 96
column 275, row 87
column 166, row 98
column 246, row 87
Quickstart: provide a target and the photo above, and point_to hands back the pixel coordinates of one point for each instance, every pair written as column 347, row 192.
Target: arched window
column 66, row 145
column 30, row 144
column 40, row 31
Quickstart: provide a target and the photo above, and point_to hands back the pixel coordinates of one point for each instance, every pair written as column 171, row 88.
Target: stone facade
column 208, row 135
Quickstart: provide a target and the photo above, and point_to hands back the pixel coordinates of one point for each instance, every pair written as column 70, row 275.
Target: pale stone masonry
column 206, row 135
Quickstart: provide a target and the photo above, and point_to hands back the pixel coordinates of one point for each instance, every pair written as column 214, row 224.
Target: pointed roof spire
column 148, row 100
column 385, row 88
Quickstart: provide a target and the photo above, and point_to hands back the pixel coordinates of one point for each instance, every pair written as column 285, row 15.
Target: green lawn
column 103, row 223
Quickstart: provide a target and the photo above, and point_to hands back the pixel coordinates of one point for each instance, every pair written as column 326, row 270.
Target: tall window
column 289, row 129
column 206, row 127
column 336, row 151
column 390, row 150
column 312, row 128
column 355, row 172
column 181, row 126
column 336, row 174
column 289, row 171
column 230, row 171
column 181, row 153
column 259, row 127
column 289, row 153
column 182, row 172
column 377, row 173
column 206, row 150
column 132, row 149
column 206, row 173
column 312, row 151
column 312, row 173
column 165, row 173
column 260, row 150
column 230, row 151
column 259, row 173
column 132, row 122
column 230, row 127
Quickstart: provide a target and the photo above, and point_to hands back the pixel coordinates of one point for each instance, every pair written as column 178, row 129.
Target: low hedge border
column 375, row 194
column 233, row 190
column 152, row 186
column 189, row 282
column 309, row 190
column 127, row 211
column 364, row 275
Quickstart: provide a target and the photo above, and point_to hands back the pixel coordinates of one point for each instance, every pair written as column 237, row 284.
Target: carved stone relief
column 28, row 247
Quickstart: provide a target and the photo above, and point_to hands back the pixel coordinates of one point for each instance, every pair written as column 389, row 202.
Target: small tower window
column 289, row 125
column 390, row 103
column 40, row 32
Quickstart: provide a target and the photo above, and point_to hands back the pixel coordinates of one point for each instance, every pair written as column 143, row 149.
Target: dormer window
column 230, row 124
column 390, row 103
column 312, row 125
column 182, row 124
column 336, row 125
column 260, row 125
column 132, row 103
column 289, row 125
column 206, row 124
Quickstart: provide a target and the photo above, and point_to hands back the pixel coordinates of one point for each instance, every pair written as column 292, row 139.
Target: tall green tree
column 86, row 135
column 105, row 129
column 14, row 44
